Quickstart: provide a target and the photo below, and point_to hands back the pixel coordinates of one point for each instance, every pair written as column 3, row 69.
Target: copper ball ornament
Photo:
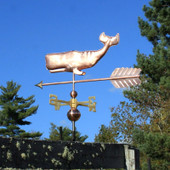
column 73, row 114
column 73, row 94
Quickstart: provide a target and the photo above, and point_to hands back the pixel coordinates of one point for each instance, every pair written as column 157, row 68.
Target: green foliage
column 153, row 95
column 155, row 146
column 155, row 87
column 14, row 110
column 66, row 134
column 149, row 109
column 126, row 117
column 149, row 106
column 105, row 135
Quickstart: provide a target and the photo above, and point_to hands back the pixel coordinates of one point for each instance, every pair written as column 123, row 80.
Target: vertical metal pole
column 149, row 164
column 73, row 130
column 61, row 133
column 73, row 122
column 73, row 82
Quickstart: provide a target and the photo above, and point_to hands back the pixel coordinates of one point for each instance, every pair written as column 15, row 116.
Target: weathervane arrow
column 120, row 78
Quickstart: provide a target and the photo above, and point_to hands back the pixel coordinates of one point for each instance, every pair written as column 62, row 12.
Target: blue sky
column 32, row 28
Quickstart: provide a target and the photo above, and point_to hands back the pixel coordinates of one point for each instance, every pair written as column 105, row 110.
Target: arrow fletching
column 128, row 77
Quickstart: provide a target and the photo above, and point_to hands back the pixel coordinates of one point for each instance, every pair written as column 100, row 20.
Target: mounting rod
column 73, row 131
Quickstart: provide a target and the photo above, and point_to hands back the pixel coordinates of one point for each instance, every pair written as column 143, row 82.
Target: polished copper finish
column 75, row 61
column 73, row 94
column 73, row 114
column 128, row 82
column 126, row 76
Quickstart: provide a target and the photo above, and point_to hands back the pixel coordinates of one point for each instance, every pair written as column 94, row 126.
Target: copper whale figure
column 75, row 61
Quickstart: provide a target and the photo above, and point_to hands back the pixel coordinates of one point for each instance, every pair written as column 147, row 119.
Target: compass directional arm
column 73, row 103
column 90, row 104
column 57, row 103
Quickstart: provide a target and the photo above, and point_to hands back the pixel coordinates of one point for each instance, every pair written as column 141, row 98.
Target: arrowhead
column 40, row 84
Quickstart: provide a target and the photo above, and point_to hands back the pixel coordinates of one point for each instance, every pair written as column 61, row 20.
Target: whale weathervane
column 75, row 61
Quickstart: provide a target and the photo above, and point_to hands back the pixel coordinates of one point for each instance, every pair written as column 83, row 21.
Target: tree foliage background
column 144, row 120
column 13, row 112
column 55, row 134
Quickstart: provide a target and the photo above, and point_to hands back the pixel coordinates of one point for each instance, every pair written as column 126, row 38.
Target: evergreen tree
column 150, row 101
column 66, row 134
column 149, row 108
column 155, row 147
column 155, row 88
column 13, row 112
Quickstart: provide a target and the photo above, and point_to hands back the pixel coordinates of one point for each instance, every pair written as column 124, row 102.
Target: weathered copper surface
column 75, row 61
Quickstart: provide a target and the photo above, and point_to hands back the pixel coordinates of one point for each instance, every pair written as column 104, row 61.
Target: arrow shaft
column 90, row 80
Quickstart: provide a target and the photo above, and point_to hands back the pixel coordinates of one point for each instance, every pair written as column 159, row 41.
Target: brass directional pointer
column 73, row 103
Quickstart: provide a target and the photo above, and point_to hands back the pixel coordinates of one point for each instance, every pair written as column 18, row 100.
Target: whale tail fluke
column 113, row 40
